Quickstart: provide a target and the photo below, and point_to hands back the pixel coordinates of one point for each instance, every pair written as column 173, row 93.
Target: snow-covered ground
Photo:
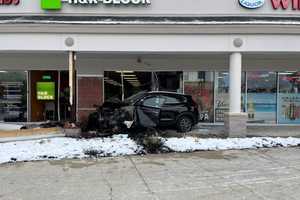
column 9, row 126
column 195, row 144
column 62, row 148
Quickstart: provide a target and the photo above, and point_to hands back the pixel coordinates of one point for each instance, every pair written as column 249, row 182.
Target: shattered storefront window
column 123, row 84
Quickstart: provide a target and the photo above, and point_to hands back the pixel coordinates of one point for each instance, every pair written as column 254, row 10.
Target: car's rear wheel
column 184, row 124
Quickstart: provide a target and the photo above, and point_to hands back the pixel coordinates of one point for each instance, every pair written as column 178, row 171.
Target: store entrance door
column 49, row 94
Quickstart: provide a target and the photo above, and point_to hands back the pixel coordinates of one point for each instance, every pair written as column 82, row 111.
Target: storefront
column 232, row 56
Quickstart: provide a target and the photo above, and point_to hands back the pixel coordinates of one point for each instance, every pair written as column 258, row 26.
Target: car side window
column 171, row 100
column 155, row 101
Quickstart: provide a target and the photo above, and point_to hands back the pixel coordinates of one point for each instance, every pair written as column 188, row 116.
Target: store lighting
column 125, row 71
column 3, row 71
column 129, row 75
column 286, row 73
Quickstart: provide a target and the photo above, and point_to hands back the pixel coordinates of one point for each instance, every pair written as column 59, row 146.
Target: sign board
column 9, row 2
column 57, row 4
column 45, row 91
column 252, row 4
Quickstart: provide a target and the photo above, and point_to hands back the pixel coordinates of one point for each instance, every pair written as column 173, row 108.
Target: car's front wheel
column 184, row 124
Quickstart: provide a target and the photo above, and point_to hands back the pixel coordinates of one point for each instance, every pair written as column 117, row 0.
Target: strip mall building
column 105, row 49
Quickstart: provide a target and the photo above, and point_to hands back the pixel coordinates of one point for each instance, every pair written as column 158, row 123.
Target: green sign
column 51, row 4
column 45, row 91
column 57, row 4
column 46, row 77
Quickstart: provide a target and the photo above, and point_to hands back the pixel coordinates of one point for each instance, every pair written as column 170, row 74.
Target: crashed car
column 147, row 110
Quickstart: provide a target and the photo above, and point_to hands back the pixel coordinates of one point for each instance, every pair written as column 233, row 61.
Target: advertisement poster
column 289, row 108
column 222, row 106
column 203, row 95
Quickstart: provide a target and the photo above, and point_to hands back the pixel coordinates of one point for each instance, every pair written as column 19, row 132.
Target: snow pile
column 190, row 144
column 9, row 127
column 60, row 148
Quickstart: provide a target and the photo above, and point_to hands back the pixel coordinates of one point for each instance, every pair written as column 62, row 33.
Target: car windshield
column 135, row 97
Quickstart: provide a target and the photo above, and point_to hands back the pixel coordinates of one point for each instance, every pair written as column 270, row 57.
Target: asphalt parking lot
column 247, row 174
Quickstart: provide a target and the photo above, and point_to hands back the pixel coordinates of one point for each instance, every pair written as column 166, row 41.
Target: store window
column 261, row 97
column 123, row 84
column 13, row 96
column 222, row 95
column 289, row 98
column 200, row 85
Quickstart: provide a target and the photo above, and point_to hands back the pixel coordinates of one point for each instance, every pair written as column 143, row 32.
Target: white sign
column 252, row 4
column 108, row 2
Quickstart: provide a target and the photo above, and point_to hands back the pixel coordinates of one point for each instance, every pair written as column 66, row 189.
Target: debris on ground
column 153, row 144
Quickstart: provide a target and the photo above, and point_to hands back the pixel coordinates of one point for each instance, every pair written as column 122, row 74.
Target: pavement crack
column 110, row 188
column 143, row 179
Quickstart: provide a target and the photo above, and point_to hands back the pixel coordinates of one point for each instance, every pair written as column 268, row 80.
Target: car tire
column 184, row 124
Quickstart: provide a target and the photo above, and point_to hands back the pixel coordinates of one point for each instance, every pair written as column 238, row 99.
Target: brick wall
column 90, row 93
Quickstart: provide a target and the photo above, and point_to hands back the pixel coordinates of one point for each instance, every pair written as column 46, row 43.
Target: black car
column 148, row 110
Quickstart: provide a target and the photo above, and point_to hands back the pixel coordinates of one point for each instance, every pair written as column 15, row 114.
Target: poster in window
column 289, row 108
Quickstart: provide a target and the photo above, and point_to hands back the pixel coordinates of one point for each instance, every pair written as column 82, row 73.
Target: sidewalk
column 224, row 175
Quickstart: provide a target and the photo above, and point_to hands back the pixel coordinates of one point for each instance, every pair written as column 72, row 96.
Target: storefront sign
column 57, row 4
column 45, row 91
column 285, row 4
column 252, row 4
column 9, row 2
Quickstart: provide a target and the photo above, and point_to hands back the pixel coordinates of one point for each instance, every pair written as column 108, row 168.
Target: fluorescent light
column 3, row 71
column 124, row 71
column 129, row 75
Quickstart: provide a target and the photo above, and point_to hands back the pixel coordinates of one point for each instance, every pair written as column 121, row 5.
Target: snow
column 68, row 148
column 64, row 148
column 190, row 144
column 9, row 127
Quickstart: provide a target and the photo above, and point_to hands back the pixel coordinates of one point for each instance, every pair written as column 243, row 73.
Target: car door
column 170, row 110
column 148, row 111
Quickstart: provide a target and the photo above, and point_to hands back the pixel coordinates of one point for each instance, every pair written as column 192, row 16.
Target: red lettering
column 280, row 3
column 9, row 2
column 296, row 4
column 16, row 2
